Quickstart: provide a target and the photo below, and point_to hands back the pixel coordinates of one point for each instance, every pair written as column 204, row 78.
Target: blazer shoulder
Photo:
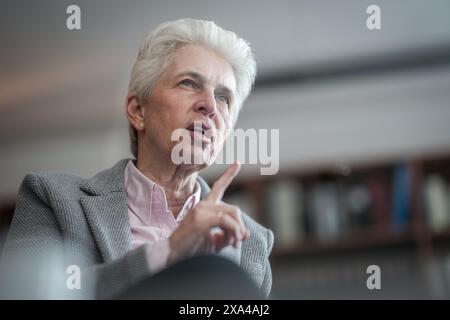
column 47, row 184
column 64, row 185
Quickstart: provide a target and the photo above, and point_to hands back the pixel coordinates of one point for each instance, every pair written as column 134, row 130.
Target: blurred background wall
column 341, row 95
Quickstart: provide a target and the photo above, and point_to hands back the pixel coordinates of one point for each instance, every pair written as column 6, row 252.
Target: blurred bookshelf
column 353, row 215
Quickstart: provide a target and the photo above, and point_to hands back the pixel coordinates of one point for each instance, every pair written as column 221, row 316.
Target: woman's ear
column 135, row 111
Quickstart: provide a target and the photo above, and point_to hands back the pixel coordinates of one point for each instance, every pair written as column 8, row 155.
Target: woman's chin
column 198, row 158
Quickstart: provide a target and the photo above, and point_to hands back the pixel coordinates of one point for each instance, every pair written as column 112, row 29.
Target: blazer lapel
column 108, row 218
column 106, row 211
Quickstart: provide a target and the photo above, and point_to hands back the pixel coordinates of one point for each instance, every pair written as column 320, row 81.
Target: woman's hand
column 210, row 225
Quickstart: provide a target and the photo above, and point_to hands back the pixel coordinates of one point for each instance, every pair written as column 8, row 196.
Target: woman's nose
column 207, row 104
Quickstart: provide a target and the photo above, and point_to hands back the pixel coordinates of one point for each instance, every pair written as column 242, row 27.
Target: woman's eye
column 224, row 99
column 189, row 83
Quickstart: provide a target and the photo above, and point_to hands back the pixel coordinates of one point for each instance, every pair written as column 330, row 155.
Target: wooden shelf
column 355, row 240
column 364, row 238
column 441, row 236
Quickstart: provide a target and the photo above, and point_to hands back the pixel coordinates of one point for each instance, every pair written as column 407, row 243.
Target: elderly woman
column 146, row 215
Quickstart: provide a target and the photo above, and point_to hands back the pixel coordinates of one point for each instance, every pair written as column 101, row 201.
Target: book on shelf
column 437, row 200
column 379, row 188
column 284, row 207
column 359, row 204
column 401, row 197
column 324, row 211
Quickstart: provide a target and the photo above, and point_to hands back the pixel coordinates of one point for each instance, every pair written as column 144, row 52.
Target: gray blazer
column 87, row 220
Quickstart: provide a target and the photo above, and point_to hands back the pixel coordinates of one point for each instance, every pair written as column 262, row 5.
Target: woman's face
column 197, row 86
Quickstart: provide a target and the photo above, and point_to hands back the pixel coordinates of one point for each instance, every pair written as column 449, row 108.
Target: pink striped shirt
column 151, row 221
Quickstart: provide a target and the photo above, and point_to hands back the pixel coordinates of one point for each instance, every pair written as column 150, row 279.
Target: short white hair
column 159, row 45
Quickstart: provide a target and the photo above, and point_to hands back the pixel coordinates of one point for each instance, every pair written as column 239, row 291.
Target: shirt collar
column 144, row 196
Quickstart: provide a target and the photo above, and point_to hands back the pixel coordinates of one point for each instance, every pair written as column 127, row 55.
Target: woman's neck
column 177, row 182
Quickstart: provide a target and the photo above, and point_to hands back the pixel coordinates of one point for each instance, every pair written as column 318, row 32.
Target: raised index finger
column 223, row 182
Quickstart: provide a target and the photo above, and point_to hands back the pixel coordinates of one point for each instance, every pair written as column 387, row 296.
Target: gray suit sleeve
column 34, row 261
column 33, row 244
column 267, row 281
column 107, row 280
